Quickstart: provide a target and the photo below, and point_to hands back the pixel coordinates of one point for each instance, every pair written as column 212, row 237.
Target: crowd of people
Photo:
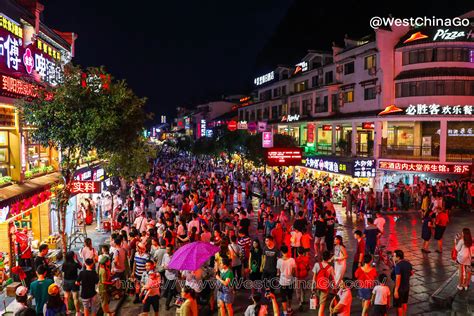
column 289, row 244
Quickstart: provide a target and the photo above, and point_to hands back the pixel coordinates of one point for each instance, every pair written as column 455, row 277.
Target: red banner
column 428, row 167
column 310, row 136
column 77, row 187
column 284, row 156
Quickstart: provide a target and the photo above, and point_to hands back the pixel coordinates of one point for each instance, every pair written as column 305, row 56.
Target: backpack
column 322, row 278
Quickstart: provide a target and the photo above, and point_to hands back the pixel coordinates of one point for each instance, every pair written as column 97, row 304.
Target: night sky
column 180, row 53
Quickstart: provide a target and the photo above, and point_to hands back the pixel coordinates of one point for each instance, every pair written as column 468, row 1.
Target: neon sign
column 301, row 67
column 446, row 34
column 232, row 126
column 424, row 167
column 326, row 165
column 11, row 87
column 290, row 118
column 436, row 109
column 242, row 125
column 264, row 79
column 203, row 128
column 284, row 156
column 267, row 139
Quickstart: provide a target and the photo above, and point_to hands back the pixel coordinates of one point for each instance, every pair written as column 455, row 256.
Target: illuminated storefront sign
column 328, row 165
column 290, row 118
column 424, row 167
column 284, row 156
column 242, row 125
column 203, row 126
column 99, row 174
column 329, row 127
column 264, row 79
column 449, row 35
column 187, row 123
column 440, row 35
column 39, row 59
column 209, row 133
column 77, row 187
column 267, row 139
column 364, row 168
column 301, row 67
column 252, row 127
column 310, row 133
column 232, row 125
column 368, row 125
column 262, row 126
column 437, row 109
column 16, row 88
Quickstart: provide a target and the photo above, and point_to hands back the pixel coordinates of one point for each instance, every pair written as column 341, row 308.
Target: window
column 456, row 54
column 370, row 93
column 349, row 68
column 247, row 116
column 241, row 115
column 315, row 81
column 307, row 106
column 370, row 62
column 348, row 96
column 266, row 113
column 276, row 92
column 435, row 87
column 294, row 108
column 259, row 114
column 266, row 95
column 301, row 86
column 283, row 90
column 328, row 77
column 275, row 112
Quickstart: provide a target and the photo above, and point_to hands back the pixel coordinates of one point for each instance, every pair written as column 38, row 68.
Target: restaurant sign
column 77, row 187
column 328, row 165
column 443, row 168
column 437, row 109
column 364, row 168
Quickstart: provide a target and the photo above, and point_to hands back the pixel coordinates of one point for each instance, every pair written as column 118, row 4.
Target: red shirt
column 367, row 278
column 360, row 249
column 442, row 219
column 302, row 267
column 277, row 235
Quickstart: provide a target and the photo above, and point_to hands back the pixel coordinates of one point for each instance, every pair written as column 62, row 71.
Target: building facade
column 399, row 100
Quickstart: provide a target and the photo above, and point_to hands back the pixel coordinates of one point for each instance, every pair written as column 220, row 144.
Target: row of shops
column 30, row 218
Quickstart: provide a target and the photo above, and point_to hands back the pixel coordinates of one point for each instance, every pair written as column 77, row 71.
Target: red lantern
column 35, row 200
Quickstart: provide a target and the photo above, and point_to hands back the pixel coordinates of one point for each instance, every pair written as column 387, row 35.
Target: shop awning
column 17, row 191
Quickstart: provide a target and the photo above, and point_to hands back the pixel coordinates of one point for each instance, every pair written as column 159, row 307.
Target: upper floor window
column 369, row 93
column 348, row 68
column 275, row 112
column 370, row 62
column 301, row 86
column 266, row 113
column 425, row 55
column 307, row 106
column 315, row 81
column 265, row 95
column 328, row 77
column 434, row 87
column 348, row 96
column 294, row 108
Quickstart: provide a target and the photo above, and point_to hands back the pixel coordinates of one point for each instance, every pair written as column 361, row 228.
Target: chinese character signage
column 437, row 109
column 310, row 133
column 329, row 165
column 264, row 79
column 16, row 88
column 39, row 59
column 267, row 139
column 444, row 168
column 459, row 132
column 203, row 126
column 77, row 187
column 284, row 156
column 364, row 168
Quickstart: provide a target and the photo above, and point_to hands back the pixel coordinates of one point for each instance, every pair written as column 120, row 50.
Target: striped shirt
column 245, row 243
column 140, row 261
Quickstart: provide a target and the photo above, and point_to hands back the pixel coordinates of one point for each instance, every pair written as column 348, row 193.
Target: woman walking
column 340, row 257
column 426, row 230
column 255, row 261
column 464, row 247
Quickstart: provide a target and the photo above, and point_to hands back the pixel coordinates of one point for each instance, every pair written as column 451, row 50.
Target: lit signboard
column 264, row 79
column 301, row 67
column 242, row 125
column 267, row 139
column 310, row 133
column 329, row 165
column 364, row 168
column 290, row 118
column 85, row 187
column 368, row 125
column 262, row 126
column 448, row 168
column 232, row 125
column 437, row 109
column 439, row 35
column 284, row 156
column 203, row 128
column 252, row 127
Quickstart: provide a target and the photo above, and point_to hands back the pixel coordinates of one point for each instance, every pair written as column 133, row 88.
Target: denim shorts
column 225, row 296
column 70, row 286
column 90, row 304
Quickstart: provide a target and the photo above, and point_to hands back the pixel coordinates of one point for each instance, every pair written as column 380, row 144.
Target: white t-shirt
column 296, row 239
column 286, row 267
column 382, row 294
column 346, row 300
column 380, row 223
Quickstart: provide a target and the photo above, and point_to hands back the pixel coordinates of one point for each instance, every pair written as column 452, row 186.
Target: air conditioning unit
column 339, row 68
column 378, row 89
column 320, row 71
column 372, row 71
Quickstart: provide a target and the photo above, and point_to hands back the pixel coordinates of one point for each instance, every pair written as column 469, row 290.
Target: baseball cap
column 53, row 289
column 21, row 291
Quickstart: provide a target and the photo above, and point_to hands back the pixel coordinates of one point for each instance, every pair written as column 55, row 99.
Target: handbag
column 454, row 254
column 313, row 302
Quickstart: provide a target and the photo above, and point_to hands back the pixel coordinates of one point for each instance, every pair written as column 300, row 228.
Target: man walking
column 401, row 274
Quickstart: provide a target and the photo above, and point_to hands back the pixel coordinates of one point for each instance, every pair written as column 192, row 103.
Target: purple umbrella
column 192, row 256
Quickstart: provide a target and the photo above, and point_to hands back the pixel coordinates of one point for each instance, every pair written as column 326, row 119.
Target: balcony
column 428, row 153
column 321, row 108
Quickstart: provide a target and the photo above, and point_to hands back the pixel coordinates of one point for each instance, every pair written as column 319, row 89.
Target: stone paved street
column 430, row 270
